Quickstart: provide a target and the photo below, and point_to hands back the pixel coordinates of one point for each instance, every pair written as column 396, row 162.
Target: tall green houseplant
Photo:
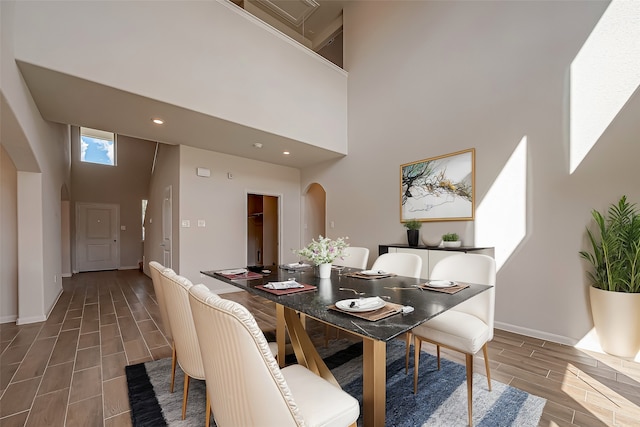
column 615, row 249
column 614, row 293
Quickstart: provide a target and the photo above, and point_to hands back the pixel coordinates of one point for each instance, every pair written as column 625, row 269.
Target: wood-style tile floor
column 69, row 370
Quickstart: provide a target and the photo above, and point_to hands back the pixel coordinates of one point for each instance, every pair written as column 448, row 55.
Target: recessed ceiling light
column 257, row 145
column 286, row 153
column 158, row 121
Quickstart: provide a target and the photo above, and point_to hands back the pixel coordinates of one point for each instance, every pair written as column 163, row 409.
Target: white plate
column 440, row 283
column 373, row 272
column 236, row 271
column 345, row 305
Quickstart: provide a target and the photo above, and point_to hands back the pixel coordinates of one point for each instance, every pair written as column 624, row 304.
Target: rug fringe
column 145, row 409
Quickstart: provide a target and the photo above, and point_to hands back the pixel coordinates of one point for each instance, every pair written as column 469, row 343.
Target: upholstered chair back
column 176, row 293
column 400, row 263
column 354, row 257
column 156, row 269
column 244, row 382
column 471, row 268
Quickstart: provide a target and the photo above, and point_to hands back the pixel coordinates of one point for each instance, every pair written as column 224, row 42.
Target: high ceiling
column 62, row 98
column 318, row 21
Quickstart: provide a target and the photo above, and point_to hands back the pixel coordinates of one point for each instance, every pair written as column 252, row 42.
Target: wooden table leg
column 280, row 334
column 303, row 347
column 374, row 371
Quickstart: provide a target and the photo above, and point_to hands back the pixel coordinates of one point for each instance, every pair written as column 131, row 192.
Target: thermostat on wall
column 203, row 172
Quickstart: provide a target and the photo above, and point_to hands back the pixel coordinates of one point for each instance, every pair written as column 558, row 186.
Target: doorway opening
column 315, row 207
column 262, row 231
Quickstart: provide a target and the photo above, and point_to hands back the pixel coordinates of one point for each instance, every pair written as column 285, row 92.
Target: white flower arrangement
column 324, row 250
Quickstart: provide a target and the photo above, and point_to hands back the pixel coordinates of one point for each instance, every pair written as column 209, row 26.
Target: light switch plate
column 201, row 223
column 186, row 223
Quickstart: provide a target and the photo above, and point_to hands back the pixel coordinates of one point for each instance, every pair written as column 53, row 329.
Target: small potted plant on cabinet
column 451, row 240
column 615, row 278
column 413, row 231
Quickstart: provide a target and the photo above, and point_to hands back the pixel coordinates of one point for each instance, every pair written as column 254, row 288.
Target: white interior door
column 97, row 236
column 167, row 227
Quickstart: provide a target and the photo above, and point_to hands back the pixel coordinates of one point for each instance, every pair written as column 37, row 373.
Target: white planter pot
column 324, row 270
column 616, row 317
column 455, row 244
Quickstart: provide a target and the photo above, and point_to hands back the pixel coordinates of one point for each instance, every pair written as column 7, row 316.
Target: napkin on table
column 367, row 302
column 289, row 284
column 233, row 271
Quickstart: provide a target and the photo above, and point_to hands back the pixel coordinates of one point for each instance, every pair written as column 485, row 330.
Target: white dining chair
column 245, row 384
column 176, row 293
column 467, row 327
column 355, row 257
column 156, row 269
column 400, row 263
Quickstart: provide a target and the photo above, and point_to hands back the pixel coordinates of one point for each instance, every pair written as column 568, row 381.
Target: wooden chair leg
column 408, row 345
column 174, row 359
column 486, row 364
column 469, row 358
column 207, row 419
column 185, row 395
column 438, row 352
column 416, row 361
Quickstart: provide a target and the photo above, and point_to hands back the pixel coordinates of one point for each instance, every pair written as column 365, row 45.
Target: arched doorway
column 315, row 212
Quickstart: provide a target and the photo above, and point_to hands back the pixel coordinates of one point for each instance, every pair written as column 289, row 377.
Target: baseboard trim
column 55, row 301
column 32, row 319
column 534, row 333
column 8, row 319
column 130, row 267
column 66, row 274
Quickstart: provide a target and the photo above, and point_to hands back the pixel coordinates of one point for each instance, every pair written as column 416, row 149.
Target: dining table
column 412, row 303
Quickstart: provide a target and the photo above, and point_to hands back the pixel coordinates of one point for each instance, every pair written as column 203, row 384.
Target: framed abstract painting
column 440, row 188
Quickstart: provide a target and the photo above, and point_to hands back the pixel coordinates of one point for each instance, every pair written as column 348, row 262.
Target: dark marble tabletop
column 426, row 303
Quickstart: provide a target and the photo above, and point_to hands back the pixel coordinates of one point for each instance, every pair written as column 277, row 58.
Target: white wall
column 430, row 78
column 65, row 232
column 166, row 173
column 222, row 203
column 223, row 63
column 8, row 239
column 36, row 147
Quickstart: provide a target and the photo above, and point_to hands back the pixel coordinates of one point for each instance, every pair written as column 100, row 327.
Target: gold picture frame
column 439, row 188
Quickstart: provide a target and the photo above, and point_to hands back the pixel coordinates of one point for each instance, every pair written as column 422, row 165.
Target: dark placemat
column 389, row 309
column 306, row 288
column 450, row 290
column 249, row 275
column 359, row 275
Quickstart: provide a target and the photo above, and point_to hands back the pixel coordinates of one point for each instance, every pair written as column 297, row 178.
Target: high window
column 97, row 146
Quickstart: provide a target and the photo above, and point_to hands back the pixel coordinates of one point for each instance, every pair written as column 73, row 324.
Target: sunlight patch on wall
column 604, row 74
column 501, row 217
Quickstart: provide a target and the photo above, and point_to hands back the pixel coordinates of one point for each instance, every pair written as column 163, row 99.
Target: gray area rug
column 441, row 399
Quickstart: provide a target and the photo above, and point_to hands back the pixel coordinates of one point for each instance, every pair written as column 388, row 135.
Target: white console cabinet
column 431, row 256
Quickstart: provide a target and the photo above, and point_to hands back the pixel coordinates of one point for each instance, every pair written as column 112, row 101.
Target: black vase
column 413, row 237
